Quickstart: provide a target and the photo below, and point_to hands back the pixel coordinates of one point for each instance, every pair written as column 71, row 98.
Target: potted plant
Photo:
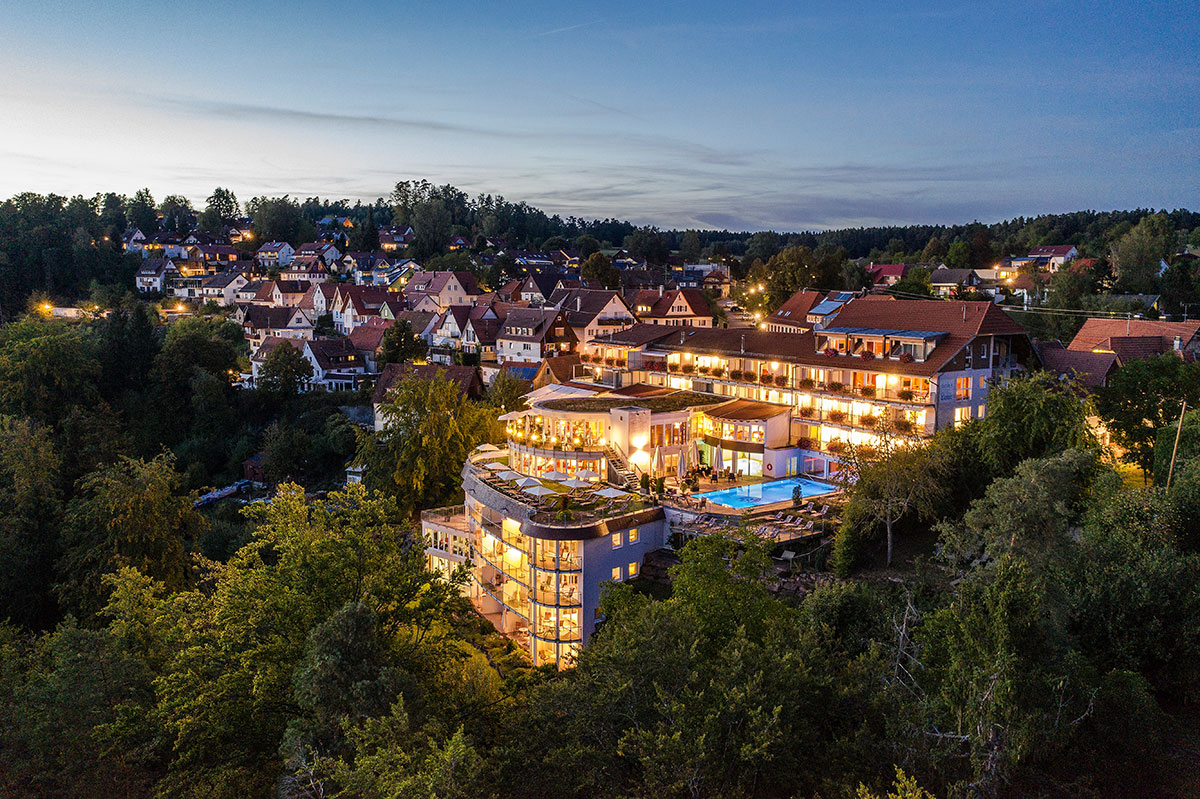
column 806, row 383
column 905, row 394
column 610, row 361
column 836, row 387
column 703, row 370
column 585, row 358
column 867, row 355
column 867, row 391
column 906, row 357
column 718, row 371
column 644, row 483
column 835, row 446
column 831, row 352
column 868, row 420
column 781, row 380
column 735, row 374
column 904, row 426
column 804, row 442
column 806, row 411
column 688, row 368
column 837, row 417
column 749, row 377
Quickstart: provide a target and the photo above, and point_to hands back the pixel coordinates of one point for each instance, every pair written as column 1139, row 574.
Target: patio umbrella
column 611, row 493
column 510, row 475
column 526, row 482
column 539, row 491
column 717, row 465
column 487, row 448
column 496, row 466
column 587, row 474
column 684, row 460
column 656, row 463
column 576, row 483
column 693, row 453
column 555, row 475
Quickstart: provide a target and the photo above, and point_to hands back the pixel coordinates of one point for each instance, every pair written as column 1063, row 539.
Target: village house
column 443, row 288
column 309, row 268
column 222, row 288
column 531, row 334
column 275, row 253
column 327, row 252
column 592, row 312
column 260, row 322
column 672, row 308
column 154, row 275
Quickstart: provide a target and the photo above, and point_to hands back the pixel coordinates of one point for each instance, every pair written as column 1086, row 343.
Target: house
column 447, row 335
column 479, row 335
column 444, row 288
column 222, row 288
column 247, row 293
column 673, row 308
column 354, row 305
column 336, row 364
column 218, row 256
column 458, row 243
column 470, row 384
column 395, row 237
column 368, row 341
column 556, row 371
column 1131, row 339
column 423, row 323
column 134, row 241
column 308, row 268
column 592, row 312
column 260, row 322
column 1092, row 370
column 792, row 316
column 154, row 275
column 327, row 252
column 887, row 274
column 949, row 282
column 288, row 293
column 319, row 299
column 1056, row 256
column 531, row 334
column 537, row 287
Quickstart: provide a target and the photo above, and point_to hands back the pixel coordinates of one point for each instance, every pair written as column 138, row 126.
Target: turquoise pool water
column 768, row 493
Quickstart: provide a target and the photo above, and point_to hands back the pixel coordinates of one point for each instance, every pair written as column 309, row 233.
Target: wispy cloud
column 568, row 28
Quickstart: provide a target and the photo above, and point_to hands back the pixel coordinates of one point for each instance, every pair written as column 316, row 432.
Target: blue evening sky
column 746, row 115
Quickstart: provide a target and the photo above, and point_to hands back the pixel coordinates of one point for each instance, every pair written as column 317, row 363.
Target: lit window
column 616, row 540
column 980, row 411
column 633, row 536
column 633, row 570
column 982, row 381
column 962, row 388
column 616, row 574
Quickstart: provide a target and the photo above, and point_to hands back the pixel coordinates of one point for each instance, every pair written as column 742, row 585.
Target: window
column 616, row 574
column 980, row 411
column 962, row 388
column 616, row 540
column 961, row 415
column 982, row 381
column 633, row 536
column 633, row 570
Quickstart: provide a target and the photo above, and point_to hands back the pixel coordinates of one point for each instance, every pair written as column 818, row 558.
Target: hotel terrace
column 553, row 515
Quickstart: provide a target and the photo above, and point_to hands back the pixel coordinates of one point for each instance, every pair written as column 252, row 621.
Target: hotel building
column 654, row 399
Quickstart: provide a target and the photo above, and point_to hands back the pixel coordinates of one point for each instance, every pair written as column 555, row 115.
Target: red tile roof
column 1097, row 333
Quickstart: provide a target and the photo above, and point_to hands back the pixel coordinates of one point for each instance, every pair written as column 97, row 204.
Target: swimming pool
column 767, row 493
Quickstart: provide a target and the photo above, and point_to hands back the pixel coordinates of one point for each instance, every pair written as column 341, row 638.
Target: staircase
column 619, row 467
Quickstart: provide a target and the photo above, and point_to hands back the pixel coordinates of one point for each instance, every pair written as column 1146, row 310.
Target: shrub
column 905, row 394
column 806, row 412
column 836, row 387
column 610, row 361
column 749, row 377
column 644, row 482
column 718, row 371
column 867, row 355
column 804, row 442
column 703, row 370
column 585, row 358
column 902, row 425
column 672, row 367
column 837, row 417
column 806, row 383
column 868, row 420
column 835, row 446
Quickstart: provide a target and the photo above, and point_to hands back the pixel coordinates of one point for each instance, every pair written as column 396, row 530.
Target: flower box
column 703, row 370
column 831, row 352
column 806, row 383
column 688, row 369
column 806, row 412
column 905, row 394
column 867, row 355
column 906, row 357
column 836, row 387
column 837, row 417
column 735, row 374
column 749, row 377
column 867, row 391
column 781, row 380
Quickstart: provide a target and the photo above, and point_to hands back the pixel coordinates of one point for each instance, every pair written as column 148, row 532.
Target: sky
column 745, row 115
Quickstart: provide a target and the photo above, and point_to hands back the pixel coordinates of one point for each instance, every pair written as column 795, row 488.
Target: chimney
column 964, row 309
column 578, row 303
column 743, row 344
column 1178, row 344
column 660, row 289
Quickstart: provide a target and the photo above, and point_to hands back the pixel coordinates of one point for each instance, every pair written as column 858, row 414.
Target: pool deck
column 717, row 509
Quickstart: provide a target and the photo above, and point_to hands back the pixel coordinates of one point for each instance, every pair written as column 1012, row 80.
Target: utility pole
column 1175, row 449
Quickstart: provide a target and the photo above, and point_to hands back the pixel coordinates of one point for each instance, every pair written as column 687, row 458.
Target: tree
column 401, row 345
column 689, row 248
column 285, row 371
column 30, row 516
column 586, row 244
column 47, row 368
column 916, row 282
column 369, row 234
column 855, row 277
column 223, row 205
column 507, row 392
column 647, row 244
column 935, row 251
column 130, row 513
column 279, row 219
column 600, row 267
column 890, row 481
column 1136, row 256
column 428, row 432
column 1144, row 395
column 142, row 212
column 1032, row 416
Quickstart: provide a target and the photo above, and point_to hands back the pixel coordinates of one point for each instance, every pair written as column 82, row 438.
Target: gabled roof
column 583, row 305
column 266, row 317
column 952, row 277
column 292, row 286
column 562, row 367
column 155, row 267
column 880, row 271
column 797, row 307
column 539, row 321
column 369, row 338
column 332, row 354
column 273, row 246
column 470, row 384
column 435, row 282
column 1052, row 251
column 1097, row 333
column 660, row 305
column 221, row 280
column 542, row 282
column 1091, row 369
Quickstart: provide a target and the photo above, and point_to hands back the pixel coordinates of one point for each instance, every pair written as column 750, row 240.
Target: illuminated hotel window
column 633, row 570
column 616, row 540
column 633, row 536
column 616, row 574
